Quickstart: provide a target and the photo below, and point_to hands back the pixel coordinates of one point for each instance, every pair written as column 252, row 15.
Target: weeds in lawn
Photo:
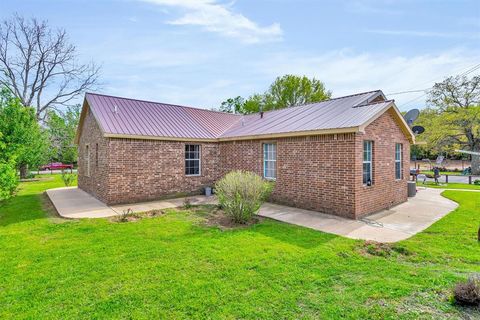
column 187, row 203
column 468, row 293
column 123, row 217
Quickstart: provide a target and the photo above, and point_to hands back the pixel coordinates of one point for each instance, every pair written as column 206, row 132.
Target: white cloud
column 347, row 72
column 219, row 18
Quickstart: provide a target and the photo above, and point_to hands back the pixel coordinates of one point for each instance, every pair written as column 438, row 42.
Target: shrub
column 468, row 293
column 241, row 193
column 477, row 182
column 8, row 180
column 68, row 178
column 187, row 203
column 123, row 217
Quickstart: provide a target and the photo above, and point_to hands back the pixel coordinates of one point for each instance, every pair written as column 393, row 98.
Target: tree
column 22, row 139
column 457, row 101
column 62, row 128
column 39, row 66
column 233, row 105
column 286, row 91
column 291, row 90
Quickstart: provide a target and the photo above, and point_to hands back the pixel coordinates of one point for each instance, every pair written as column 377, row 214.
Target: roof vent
column 115, row 109
column 243, row 122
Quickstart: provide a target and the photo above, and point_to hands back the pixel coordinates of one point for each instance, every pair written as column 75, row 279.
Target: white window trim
column 368, row 161
column 264, row 161
column 87, row 159
column 399, row 161
column 199, row 160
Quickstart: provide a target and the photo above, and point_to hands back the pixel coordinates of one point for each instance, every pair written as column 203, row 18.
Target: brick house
column 346, row 156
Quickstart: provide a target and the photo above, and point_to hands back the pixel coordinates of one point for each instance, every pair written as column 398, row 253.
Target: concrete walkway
column 76, row 203
column 398, row 223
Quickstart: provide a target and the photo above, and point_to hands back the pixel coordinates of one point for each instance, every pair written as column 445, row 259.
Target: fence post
column 469, row 179
column 446, row 178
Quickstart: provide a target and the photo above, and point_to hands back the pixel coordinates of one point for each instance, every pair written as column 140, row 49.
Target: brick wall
column 314, row 172
column 142, row 170
column 97, row 182
column 385, row 191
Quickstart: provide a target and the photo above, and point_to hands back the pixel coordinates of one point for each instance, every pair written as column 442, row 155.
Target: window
column 270, row 161
column 87, row 160
column 192, row 159
column 398, row 161
column 96, row 155
column 367, row 162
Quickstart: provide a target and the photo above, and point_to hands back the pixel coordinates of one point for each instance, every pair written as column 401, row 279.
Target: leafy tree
column 62, row 128
column 233, row 105
column 291, row 90
column 286, row 91
column 21, row 137
column 456, row 102
column 39, row 66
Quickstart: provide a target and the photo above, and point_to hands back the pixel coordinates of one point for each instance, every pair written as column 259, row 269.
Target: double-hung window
column 87, row 160
column 270, row 161
column 192, row 159
column 367, row 163
column 398, row 161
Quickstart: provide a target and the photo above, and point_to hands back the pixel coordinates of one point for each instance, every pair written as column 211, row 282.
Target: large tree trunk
column 23, row 171
column 476, row 164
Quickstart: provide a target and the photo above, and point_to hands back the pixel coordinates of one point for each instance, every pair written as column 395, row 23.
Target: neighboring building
column 347, row 156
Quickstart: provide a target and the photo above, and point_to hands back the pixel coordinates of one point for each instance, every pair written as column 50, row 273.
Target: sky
column 200, row 53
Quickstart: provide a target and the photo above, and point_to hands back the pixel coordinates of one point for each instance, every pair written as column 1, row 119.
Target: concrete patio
column 75, row 203
column 398, row 223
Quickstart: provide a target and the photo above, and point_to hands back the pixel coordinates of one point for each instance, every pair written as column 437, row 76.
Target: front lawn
column 450, row 173
column 175, row 267
column 432, row 184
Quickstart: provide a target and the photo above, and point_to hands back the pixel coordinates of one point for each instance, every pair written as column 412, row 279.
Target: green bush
column 68, row 178
column 241, row 193
column 477, row 182
column 8, row 180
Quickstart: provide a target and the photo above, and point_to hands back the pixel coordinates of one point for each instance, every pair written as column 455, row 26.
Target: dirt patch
column 50, row 209
column 130, row 216
column 380, row 249
column 218, row 218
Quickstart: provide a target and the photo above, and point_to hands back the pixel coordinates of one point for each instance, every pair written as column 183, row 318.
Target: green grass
column 450, row 173
column 432, row 184
column 173, row 267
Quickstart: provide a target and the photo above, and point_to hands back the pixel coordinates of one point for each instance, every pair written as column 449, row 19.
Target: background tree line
column 40, row 77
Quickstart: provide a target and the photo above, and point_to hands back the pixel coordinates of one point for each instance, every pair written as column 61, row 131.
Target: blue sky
column 202, row 52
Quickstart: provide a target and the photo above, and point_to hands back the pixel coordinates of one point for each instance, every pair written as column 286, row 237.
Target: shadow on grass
column 23, row 208
column 293, row 235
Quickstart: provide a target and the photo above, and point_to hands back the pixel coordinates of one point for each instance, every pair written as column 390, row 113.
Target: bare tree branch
column 39, row 66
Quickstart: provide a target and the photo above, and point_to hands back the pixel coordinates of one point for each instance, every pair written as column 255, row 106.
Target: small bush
column 477, row 182
column 123, row 217
column 468, row 293
column 241, row 193
column 8, row 180
column 68, row 178
column 187, row 203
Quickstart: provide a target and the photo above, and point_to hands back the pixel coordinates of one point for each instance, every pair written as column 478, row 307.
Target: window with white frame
column 270, row 160
column 398, row 161
column 192, row 159
column 367, row 162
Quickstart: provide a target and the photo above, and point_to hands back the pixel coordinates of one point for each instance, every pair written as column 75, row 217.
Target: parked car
column 56, row 166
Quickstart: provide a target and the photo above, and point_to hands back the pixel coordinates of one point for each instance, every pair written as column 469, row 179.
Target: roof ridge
column 373, row 102
column 156, row 102
column 311, row 103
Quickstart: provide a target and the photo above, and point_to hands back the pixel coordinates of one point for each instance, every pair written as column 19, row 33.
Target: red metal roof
column 125, row 116
column 131, row 117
